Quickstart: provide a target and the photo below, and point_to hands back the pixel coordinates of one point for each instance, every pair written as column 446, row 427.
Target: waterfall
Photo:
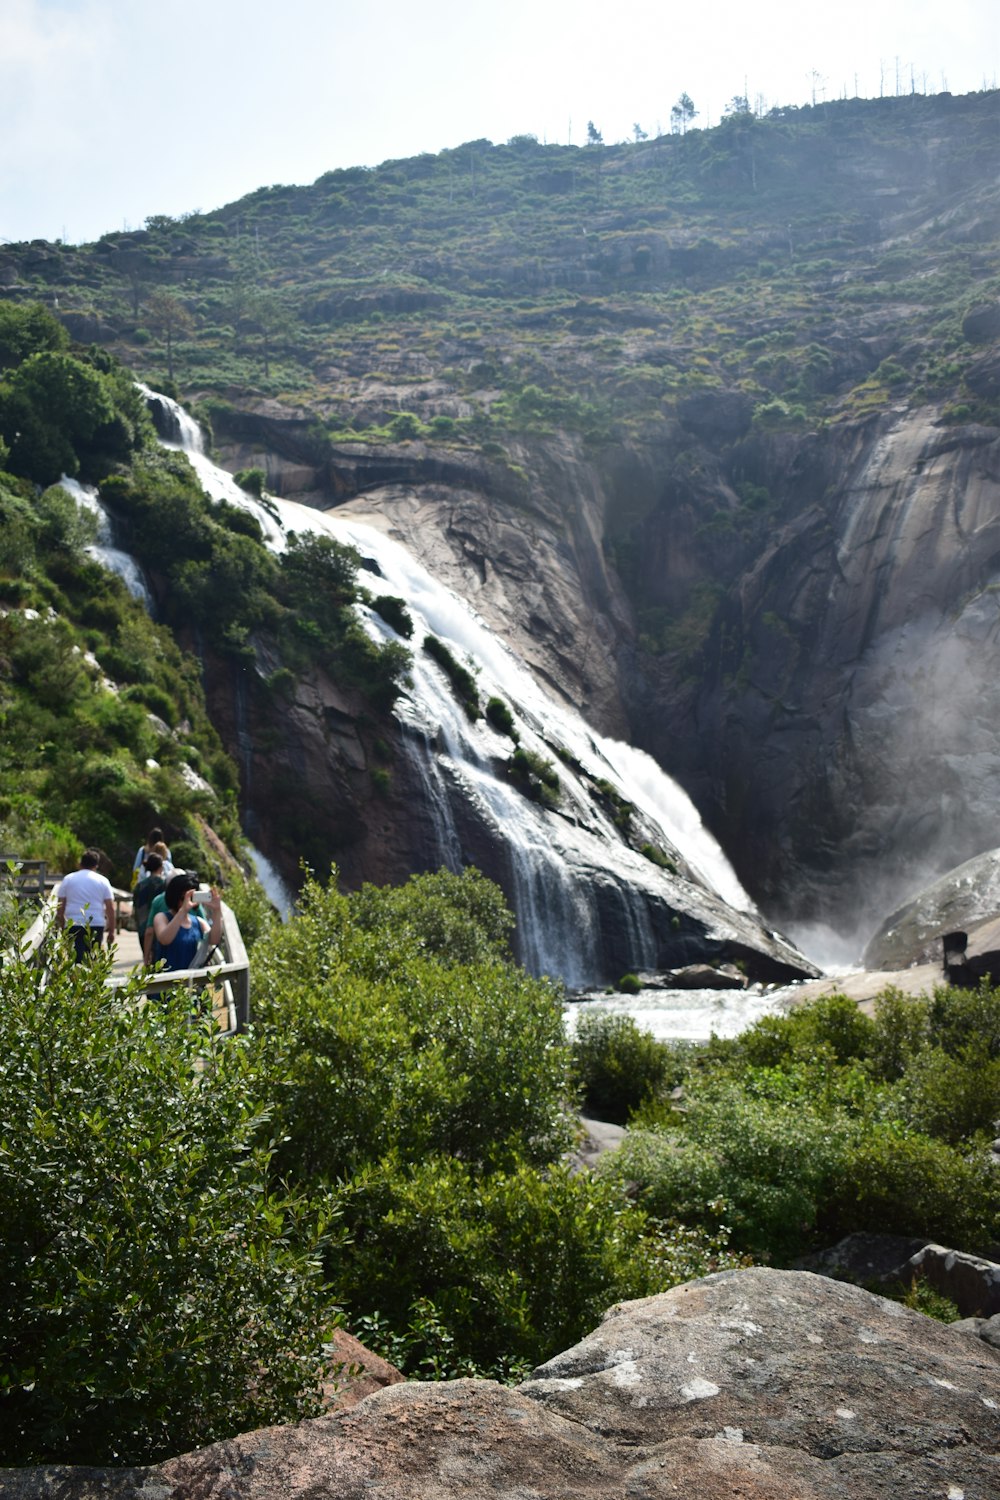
column 580, row 890
column 275, row 888
column 179, row 430
column 102, row 550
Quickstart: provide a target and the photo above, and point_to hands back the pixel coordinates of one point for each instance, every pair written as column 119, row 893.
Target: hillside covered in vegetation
column 654, row 403
column 654, row 392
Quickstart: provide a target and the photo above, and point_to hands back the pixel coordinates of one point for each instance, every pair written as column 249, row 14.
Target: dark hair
column 154, row 836
column 152, row 863
column 89, row 859
column 176, row 886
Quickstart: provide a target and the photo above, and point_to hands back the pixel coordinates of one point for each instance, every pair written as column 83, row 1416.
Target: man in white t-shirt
column 87, row 906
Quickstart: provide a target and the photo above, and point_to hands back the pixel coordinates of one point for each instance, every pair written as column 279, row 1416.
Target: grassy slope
column 615, row 279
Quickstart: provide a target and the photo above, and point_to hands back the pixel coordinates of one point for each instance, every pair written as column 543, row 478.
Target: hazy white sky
column 116, row 109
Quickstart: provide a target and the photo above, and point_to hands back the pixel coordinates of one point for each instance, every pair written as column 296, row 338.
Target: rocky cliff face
column 845, row 710
column 774, row 1385
column 826, row 697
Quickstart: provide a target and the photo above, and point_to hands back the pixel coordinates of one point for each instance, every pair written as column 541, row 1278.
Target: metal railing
column 231, row 972
column 227, row 973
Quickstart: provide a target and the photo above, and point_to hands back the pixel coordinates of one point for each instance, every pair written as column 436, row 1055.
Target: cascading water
column 179, row 430
column 584, row 898
column 102, row 550
column 275, row 888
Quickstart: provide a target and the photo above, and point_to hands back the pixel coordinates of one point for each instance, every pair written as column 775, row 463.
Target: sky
column 114, row 110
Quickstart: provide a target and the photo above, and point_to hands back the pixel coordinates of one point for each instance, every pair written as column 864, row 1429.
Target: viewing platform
column 221, row 972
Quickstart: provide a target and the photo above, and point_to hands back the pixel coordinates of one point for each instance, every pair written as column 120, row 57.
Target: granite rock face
column 769, row 1385
column 966, row 899
column 846, row 654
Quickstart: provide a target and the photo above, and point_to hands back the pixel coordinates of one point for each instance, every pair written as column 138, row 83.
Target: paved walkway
column 128, row 954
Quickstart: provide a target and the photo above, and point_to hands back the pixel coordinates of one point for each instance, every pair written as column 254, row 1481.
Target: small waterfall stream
column 579, row 887
column 102, row 550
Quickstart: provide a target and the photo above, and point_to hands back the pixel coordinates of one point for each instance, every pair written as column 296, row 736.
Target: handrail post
column 237, row 954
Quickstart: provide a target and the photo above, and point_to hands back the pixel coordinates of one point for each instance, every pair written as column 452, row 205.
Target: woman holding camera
column 181, row 927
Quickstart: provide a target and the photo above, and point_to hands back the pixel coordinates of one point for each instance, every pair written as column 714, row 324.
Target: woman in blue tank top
column 181, row 928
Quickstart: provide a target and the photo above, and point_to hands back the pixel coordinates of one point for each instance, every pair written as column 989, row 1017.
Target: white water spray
column 102, row 551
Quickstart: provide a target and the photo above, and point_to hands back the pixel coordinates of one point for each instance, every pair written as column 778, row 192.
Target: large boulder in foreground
column 770, row 1385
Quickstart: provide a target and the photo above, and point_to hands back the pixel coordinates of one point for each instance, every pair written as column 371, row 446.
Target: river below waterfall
column 686, row 1015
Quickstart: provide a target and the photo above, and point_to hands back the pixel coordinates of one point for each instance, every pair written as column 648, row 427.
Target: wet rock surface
column 965, row 898
column 764, row 1384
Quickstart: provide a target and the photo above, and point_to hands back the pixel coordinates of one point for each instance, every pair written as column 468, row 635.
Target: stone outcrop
column 971, row 1282
column 966, row 898
column 874, row 1260
column 846, row 655
column 355, row 1372
column 771, row 1385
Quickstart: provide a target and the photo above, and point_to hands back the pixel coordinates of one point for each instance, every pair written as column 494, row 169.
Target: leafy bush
column 516, row 1266
column 618, row 1064
column 536, row 776
column 810, row 1126
column 387, row 1022
column 462, row 681
column 656, row 856
column 157, row 1291
column 499, row 715
column 409, row 1064
column 832, row 1025
column 251, row 480
column 897, row 1182
column 61, row 415
column 395, row 613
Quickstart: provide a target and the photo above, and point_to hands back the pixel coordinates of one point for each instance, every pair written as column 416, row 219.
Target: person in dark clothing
column 151, row 884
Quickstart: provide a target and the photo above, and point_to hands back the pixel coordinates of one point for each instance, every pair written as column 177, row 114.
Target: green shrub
column 395, row 613
column 832, row 1024
column 894, row 1182
column 902, row 1028
column 404, row 426
column 656, row 856
column 618, row 1064
column 499, row 715
column 773, row 1161
column 952, row 1098
column 922, row 1297
column 251, row 480
column 958, row 1019
column 462, row 681
column 155, row 698
column 516, row 1266
column 536, row 776
column 157, row 1292
column 388, row 1022
column 620, row 808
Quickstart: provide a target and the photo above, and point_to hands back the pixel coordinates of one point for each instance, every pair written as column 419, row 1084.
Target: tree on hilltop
column 168, row 316
column 682, row 114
